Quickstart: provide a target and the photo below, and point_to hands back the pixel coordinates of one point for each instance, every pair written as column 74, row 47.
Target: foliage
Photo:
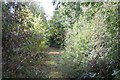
column 56, row 31
column 88, row 32
column 24, row 37
column 91, row 39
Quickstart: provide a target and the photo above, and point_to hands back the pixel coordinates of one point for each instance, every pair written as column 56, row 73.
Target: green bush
column 91, row 38
column 24, row 37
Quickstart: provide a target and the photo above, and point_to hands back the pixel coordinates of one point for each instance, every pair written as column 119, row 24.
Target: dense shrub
column 91, row 39
column 24, row 37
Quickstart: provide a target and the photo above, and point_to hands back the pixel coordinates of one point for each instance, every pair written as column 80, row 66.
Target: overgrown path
column 54, row 58
column 53, row 50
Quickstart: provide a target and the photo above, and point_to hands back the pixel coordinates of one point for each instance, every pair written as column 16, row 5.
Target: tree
column 24, row 36
column 90, row 39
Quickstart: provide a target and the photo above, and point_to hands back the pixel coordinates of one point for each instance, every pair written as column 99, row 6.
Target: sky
column 48, row 8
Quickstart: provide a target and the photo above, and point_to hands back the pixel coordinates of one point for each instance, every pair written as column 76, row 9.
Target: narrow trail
column 53, row 50
column 52, row 62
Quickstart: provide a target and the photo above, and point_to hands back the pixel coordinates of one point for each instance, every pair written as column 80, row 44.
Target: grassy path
column 54, row 58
